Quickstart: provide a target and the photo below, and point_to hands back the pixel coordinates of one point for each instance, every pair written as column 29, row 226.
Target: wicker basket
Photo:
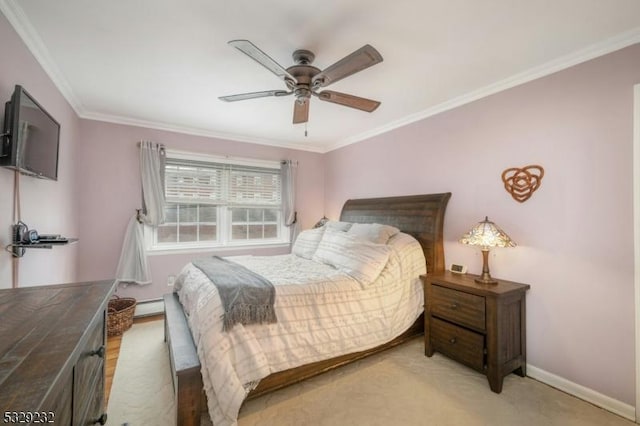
column 120, row 317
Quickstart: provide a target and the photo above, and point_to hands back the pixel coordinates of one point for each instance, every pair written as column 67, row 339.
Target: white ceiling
column 163, row 63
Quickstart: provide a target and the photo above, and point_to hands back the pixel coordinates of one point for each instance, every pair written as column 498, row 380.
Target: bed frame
column 421, row 216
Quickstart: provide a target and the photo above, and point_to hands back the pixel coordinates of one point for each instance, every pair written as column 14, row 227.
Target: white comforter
column 322, row 313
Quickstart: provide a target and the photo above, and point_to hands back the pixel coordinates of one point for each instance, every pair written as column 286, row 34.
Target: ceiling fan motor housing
column 304, row 73
column 303, row 57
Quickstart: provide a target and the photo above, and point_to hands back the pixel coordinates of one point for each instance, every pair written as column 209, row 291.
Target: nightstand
column 480, row 325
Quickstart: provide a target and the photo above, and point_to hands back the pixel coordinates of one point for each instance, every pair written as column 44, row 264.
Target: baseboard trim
column 617, row 407
column 149, row 307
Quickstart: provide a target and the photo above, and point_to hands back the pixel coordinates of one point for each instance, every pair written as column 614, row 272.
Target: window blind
column 254, row 186
column 196, row 182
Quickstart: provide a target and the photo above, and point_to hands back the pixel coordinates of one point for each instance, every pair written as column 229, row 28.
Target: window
column 188, row 223
column 216, row 203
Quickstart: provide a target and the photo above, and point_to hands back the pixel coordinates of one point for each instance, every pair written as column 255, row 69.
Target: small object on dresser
column 458, row 269
column 120, row 315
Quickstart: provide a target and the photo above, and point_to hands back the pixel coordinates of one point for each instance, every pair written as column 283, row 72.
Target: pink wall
column 50, row 207
column 575, row 234
column 109, row 190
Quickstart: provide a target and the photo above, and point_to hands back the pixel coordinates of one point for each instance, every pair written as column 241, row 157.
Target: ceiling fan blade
column 359, row 60
column 252, row 95
column 251, row 50
column 301, row 112
column 356, row 102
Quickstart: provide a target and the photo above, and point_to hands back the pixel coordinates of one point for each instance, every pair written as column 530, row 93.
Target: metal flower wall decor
column 521, row 183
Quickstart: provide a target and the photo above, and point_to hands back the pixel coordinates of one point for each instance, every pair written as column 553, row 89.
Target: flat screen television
column 31, row 137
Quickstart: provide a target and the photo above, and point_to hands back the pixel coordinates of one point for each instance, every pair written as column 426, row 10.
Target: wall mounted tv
column 31, row 137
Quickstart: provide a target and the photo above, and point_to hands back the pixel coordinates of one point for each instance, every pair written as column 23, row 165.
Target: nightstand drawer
column 458, row 343
column 459, row 307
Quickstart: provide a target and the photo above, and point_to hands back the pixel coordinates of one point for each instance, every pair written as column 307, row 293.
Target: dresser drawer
column 59, row 400
column 458, row 343
column 89, row 367
column 459, row 307
column 95, row 409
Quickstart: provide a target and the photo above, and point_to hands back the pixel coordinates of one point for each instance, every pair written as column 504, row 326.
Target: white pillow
column 374, row 232
column 307, row 242
column 334, row 225
column 359, row 258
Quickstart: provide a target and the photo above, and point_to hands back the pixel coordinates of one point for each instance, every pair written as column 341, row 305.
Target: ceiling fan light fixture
column 302, row 93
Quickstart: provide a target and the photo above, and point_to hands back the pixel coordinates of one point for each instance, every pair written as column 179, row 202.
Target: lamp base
column 485, row 278
column 482, row 280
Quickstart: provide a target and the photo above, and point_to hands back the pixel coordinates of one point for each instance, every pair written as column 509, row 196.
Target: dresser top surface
column 42, row 330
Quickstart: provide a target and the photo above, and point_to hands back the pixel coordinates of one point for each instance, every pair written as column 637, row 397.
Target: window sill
column 221, row 249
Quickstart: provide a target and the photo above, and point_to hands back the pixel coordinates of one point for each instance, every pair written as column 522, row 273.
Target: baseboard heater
column 150, row 307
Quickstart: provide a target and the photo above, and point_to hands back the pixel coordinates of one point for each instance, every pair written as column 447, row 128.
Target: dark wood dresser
column 52, row 350
column 480, row 325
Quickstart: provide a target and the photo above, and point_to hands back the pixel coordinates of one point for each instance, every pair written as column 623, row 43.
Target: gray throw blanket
column 247, row 297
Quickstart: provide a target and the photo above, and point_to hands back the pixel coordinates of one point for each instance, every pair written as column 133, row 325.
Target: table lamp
column 321, row 222
column 486, row 235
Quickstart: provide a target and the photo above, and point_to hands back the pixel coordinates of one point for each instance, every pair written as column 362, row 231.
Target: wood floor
column 113, row 351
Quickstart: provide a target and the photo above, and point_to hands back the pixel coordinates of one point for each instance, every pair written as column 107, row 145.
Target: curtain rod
column 159, row 144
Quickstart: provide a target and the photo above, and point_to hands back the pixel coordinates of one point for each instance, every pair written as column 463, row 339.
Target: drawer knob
column 453, row 340
column 454, row 306
column 99, row 352
column 101, row 420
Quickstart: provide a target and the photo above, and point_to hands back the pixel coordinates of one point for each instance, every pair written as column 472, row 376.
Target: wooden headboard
column 421, row 216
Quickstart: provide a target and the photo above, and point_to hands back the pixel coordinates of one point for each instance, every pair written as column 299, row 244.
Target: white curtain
column 288, row 169
column 133, row 266
column 152, row 160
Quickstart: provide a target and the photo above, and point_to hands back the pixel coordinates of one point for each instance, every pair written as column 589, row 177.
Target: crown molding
column 17, row 18
column 199, row 132
column 595, row 50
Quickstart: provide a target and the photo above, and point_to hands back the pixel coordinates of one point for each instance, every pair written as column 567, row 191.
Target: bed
column 421, row 216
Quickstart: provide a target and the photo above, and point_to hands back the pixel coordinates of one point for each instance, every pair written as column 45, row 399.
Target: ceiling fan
column 303, row 80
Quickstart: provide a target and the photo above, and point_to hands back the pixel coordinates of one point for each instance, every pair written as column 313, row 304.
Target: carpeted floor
column 399, row 386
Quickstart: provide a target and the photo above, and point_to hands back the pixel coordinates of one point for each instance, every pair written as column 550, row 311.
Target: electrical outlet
column 171, row 279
